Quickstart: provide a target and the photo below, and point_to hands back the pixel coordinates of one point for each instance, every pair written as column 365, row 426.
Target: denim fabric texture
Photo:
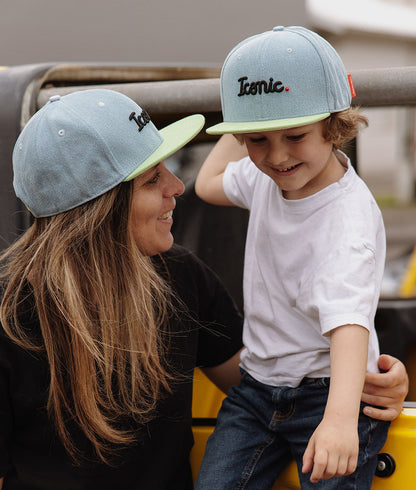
column 81, row 145
column 261, row 428
column 285, row 77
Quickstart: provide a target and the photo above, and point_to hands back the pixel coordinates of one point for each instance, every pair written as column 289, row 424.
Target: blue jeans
column 261, row 428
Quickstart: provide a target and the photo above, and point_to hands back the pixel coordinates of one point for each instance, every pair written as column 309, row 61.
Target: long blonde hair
column 102, row 310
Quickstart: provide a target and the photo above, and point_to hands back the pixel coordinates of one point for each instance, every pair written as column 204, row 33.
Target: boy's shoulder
column 354, row 190
column 246, row 170
column 357, row 216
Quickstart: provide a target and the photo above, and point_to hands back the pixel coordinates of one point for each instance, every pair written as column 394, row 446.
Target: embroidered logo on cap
column 141, row 120
column 260, row 86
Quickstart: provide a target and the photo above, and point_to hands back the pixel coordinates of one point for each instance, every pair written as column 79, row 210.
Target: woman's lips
column 167, row 215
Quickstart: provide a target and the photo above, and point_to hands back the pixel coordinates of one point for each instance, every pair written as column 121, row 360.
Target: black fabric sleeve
column 220, row 335
column 215, row 314
column 6, row 418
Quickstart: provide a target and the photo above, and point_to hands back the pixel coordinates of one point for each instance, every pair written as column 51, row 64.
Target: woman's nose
column 179, row 185
column 174, row 186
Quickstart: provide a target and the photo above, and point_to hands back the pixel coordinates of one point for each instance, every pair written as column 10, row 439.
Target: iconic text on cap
column 141, row 120
column 260, row 86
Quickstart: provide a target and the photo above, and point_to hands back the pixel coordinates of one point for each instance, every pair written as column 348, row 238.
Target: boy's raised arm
column 208, row 185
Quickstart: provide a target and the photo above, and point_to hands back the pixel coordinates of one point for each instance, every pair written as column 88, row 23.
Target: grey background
column 191, row 31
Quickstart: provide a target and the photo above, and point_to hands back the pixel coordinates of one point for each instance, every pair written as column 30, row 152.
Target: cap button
column 54, row 98
column 278, row 28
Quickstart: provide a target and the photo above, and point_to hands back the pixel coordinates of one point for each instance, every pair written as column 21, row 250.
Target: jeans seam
column 277, row 417
column 373, row 426
column 248, row 471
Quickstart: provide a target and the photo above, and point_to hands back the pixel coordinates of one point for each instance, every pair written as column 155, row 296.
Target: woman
column 103, row 319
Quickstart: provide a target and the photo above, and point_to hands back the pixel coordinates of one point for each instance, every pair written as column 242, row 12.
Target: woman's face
column 152, row 208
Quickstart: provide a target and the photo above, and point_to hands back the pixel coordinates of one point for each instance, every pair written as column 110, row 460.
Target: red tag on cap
column 353, row 93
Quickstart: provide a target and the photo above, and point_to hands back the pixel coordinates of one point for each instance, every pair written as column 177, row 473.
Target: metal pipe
column 167, row 97
column 385, row 86
column 374, row 87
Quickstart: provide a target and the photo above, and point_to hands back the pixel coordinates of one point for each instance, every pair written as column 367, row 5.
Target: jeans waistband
column 312, row 381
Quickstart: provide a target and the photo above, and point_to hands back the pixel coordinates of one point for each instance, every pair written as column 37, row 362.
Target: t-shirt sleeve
column 343, row 289
column 239, row 181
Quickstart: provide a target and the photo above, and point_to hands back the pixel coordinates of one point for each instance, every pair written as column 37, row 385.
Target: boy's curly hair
column 342, row 127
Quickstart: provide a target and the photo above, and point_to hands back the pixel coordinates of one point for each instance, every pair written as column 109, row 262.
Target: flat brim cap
column 174, row 137
column 283, row 78
column 79, row 146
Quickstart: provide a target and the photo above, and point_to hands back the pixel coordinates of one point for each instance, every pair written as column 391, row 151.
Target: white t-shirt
column 311, row 265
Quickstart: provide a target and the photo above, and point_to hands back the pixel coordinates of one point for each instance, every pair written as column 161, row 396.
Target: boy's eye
column 257, row 139
column 296, row 137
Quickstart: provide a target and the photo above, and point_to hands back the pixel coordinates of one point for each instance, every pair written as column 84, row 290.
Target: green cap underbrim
column 175, row 136
column 256, row 126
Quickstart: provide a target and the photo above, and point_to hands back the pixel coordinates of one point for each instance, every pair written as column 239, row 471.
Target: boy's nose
column 278, row 154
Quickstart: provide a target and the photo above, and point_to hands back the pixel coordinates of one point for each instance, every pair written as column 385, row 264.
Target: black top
column 31, row 455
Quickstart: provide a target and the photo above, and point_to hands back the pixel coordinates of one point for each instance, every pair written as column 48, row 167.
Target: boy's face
column 299, row 160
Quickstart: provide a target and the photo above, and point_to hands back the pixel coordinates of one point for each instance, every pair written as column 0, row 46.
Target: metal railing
column 165, row 91
column 375, row 87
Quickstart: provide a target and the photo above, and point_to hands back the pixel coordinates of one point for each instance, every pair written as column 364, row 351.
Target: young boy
column 313, row 267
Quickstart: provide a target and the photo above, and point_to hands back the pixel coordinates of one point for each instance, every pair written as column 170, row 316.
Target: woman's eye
column 154, row 179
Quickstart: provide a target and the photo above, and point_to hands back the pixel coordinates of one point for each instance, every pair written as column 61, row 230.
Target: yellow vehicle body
column 397, row 457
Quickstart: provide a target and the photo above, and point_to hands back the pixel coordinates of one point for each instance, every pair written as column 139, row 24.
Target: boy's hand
column 333, row 448
column 387, row 389
column 332, row 451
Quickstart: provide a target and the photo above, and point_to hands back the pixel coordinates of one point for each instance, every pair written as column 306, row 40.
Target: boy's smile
column 299, row 160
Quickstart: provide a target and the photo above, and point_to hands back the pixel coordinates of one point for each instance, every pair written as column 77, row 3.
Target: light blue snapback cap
column 79, row 146
column 283, row 78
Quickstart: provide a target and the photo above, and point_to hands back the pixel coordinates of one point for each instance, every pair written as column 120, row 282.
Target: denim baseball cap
column 283, row 78
column 79, row 146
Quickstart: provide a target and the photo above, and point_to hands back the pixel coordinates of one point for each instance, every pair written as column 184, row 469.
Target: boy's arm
column 208, row 185
column 333, row 447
